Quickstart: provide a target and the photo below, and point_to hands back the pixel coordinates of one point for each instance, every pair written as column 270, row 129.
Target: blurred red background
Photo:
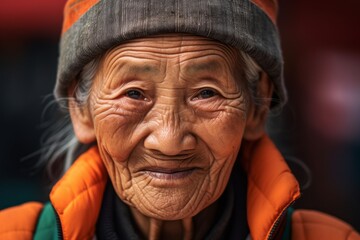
column 322, row 69
column 320, row 125
column 24, row 18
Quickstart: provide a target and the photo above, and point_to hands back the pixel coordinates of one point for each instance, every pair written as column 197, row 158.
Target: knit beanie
column 91, row 27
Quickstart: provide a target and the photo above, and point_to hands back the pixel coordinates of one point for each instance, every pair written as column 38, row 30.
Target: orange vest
column 272, row 188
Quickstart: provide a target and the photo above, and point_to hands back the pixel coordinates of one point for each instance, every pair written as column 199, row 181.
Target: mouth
column 169, row 174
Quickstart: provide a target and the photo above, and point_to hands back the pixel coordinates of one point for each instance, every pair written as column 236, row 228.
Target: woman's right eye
column 135, row 94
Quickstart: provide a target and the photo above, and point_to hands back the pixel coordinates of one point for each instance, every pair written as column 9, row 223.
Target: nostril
column 189, row 142
column 151, row 142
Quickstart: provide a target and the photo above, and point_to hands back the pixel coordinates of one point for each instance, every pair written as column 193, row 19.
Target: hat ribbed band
column 108, row 23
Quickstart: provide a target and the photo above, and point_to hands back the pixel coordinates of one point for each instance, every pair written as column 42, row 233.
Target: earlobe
column 81, row 121
column 257, row 115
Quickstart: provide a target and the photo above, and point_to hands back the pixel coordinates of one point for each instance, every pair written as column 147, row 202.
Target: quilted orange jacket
column 272, row 188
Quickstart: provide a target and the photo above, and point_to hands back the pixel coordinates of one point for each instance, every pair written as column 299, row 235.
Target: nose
column 171, row 136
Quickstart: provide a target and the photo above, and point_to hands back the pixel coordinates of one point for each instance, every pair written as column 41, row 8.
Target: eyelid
column 210, row 84
column 137, row 83
column 198, row 92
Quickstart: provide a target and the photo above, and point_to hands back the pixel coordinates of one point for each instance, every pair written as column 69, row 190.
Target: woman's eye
column 135, row 94
column 206, row 93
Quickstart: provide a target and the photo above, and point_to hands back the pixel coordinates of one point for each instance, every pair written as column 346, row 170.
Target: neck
column 183, row 229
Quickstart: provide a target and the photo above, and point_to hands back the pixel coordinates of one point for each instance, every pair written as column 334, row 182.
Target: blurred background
column 319, row 127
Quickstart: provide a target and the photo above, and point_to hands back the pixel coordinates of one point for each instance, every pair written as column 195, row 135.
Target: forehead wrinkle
column 167, row 41
column 137, row 63
column 179, row 46
column 217, row 55
column 122, row 65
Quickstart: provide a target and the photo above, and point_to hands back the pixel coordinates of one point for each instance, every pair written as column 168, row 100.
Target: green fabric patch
column 287, row 232
column 46, row 228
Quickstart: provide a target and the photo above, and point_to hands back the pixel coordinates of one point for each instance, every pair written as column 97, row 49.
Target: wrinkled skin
column 168, row 114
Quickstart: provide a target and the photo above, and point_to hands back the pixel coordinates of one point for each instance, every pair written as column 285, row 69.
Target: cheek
column 223, row 134
column 222, row 137
column 115, row 123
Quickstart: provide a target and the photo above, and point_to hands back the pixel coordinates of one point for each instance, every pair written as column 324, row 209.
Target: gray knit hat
column 93, row 26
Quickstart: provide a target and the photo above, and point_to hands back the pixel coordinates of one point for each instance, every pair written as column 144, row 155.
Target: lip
column 185, row 156
column 168, row 173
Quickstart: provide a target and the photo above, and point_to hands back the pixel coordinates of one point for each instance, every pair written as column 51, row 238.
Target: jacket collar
column 78, row 195
column 271, row 189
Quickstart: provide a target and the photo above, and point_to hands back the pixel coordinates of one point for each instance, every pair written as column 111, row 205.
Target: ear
column 257, row 115
column 81, row 119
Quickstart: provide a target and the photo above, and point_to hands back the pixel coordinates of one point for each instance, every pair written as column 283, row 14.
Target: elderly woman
column 170, row 98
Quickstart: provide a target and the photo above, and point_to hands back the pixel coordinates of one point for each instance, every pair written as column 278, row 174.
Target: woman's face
column 168, row 113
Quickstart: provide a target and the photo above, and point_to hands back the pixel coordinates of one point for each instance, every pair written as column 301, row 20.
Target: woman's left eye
column 204, row 94
column 135, row 94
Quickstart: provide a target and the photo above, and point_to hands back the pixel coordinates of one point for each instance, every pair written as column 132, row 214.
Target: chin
column 168, row 203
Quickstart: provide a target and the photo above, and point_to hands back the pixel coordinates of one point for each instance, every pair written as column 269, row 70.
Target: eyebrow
column 142, row 69
column 212, row 66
